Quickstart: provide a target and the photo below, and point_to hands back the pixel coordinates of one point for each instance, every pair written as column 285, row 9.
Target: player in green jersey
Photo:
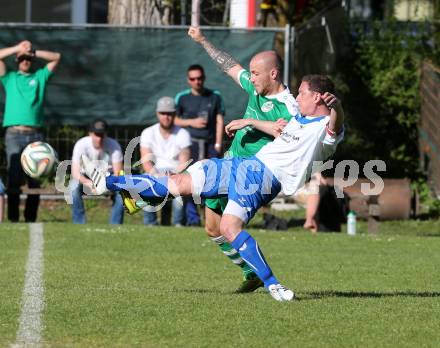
column 270, row 102
column 270, row 106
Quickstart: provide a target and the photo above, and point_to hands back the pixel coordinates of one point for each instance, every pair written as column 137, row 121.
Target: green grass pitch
column 136, row 286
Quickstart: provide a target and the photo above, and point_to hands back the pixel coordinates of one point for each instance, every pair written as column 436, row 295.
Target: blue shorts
column 2, row 188
column 247, row 183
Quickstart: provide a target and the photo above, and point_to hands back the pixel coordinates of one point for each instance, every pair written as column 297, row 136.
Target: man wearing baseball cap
column 98, row 126
column 165, row 149
column 96, row 146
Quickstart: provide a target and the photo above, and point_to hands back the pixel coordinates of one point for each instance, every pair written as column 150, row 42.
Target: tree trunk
column 139, row 12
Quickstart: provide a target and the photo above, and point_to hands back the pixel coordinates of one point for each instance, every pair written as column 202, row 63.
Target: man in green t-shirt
column 269, row 100
column 23, row 117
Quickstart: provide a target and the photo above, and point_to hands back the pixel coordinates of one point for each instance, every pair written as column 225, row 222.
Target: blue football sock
column 251, row 253
column 145, row 185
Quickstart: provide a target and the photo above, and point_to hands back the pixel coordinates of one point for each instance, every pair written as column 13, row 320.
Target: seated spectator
column 96, row 146
column 165, row 149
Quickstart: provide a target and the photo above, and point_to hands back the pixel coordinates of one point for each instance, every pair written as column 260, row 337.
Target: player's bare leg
column 251, row 282
column 231, row 228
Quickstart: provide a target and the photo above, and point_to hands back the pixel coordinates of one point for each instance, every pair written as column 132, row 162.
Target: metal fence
column 118, row 72
column 63, row 139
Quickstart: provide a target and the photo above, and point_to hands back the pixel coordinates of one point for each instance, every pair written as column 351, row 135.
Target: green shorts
column 216, row 204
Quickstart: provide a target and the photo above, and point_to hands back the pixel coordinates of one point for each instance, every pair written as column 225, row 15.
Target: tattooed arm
column 225, row 61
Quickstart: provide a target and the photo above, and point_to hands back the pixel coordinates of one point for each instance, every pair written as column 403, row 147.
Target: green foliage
column 429, row 204
column 385, row 115
column 434, row 209
column 424, row 192
column 67, row 132
column 389, row 66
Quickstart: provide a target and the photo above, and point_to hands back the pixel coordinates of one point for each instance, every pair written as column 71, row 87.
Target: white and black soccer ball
column 38, row 159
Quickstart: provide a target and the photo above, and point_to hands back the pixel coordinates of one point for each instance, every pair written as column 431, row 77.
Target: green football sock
column 234, row 256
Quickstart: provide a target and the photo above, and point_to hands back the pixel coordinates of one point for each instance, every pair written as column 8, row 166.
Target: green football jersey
column 248, row 141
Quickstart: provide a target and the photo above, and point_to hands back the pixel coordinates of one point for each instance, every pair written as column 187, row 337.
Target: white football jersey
column 291, row 156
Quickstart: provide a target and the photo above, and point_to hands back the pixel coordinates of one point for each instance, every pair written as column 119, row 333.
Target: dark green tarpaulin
column 119, row 73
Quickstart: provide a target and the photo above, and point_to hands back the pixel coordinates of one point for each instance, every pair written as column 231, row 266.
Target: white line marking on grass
column 29, row 330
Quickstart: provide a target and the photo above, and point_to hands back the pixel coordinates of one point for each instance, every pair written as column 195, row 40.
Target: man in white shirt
column 165, row 149
column 280, row 166
column 97, row 146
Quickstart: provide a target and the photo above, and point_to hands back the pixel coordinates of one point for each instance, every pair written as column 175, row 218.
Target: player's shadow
column 199, row 291
column 317, row 295
column 215, row 291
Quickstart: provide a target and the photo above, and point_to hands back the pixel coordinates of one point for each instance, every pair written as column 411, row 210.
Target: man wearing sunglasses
column 23, row 117
column 200, row 111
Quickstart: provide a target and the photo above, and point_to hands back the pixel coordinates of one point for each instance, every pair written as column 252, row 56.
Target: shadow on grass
column 47, row 220
column 151, row 289
column 198, row 291
column 216, row 291
column 317, row 295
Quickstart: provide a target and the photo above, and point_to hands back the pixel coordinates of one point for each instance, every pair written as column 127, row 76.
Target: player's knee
column 180, row 184
column 212, row 230
column 230, row 227
column 212, row 223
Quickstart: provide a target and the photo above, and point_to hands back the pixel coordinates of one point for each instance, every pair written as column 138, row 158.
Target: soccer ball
column 38, row 159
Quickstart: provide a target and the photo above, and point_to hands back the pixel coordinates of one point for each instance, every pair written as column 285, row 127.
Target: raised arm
column 52, row 57
column 336, row 112
column 23, row 46
column 269, row 127
column 225, row 61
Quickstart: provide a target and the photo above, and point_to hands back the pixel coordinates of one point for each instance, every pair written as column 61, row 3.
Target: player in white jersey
column 269, row 102
column 282, row 165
